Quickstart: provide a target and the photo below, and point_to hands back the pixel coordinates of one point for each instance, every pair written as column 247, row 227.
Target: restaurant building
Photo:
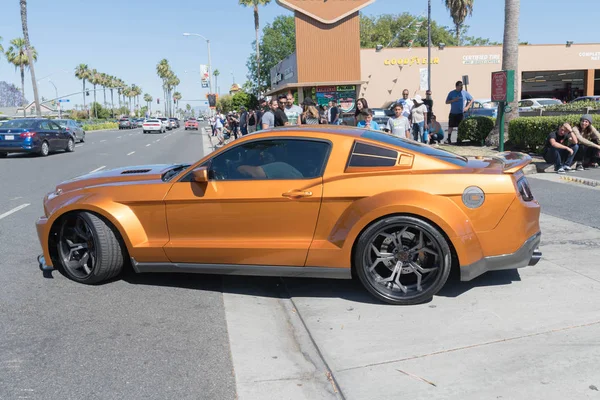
column 330, row 65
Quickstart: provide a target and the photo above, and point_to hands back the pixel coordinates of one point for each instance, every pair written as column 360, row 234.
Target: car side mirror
column 200, row 174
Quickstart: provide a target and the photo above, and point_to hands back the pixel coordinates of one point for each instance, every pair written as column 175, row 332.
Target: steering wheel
column 217, row 172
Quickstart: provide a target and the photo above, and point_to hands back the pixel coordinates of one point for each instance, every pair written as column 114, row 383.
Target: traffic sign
column 64, row 100
column 503, row 86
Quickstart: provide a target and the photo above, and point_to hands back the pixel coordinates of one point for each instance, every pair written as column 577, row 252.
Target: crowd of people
column 568, row 148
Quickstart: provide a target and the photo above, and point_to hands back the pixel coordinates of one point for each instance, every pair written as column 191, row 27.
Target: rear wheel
column 44, row 149
column 70, row 146
column 88, row 249
column 83, row 137
column 402, row 260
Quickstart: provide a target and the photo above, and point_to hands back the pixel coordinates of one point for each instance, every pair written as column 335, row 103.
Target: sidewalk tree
column 459, row 10
column 16, row 54
column 216, row 74
column 148, row 99
column 255, row 4
column 94, row 79
column 82, row 72
column 510, row 61
column 278, row 41
column 30, row 57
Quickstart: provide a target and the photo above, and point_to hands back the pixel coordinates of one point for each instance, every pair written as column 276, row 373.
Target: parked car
column 381, row 116
column 176, row 120
column 191, row 123
column 397, row 214
column 483, row 108
column 139, row 122
column 126, row 123
column 587, row 98
column 537, row 103
column 34, row 135
column 166, row 123
column 153, row 125
column 72, row 126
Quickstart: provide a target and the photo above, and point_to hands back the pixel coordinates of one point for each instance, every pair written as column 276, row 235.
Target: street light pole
column 209, row 61
column 429, row 45
column 57, row 103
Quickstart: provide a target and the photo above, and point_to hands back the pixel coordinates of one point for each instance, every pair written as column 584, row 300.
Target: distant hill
column 10, row 95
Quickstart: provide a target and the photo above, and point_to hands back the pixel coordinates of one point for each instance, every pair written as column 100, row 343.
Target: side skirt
column 255, row 270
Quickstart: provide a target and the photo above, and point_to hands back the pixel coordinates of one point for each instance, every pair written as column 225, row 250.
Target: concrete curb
column 583, row 181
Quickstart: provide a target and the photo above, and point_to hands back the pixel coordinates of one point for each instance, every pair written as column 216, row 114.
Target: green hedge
column 99, row 126
column 531, row 132
column 475, row 129
column 576, row 106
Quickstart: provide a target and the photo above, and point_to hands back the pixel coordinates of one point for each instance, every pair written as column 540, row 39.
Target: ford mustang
column 328, row 202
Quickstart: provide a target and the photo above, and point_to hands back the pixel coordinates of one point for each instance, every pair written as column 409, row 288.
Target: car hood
column 138, row 173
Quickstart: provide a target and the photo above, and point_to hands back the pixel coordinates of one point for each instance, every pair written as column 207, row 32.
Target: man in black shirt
column 429, row 103
column 243, row 121
column 559, row 151
column 334, row 113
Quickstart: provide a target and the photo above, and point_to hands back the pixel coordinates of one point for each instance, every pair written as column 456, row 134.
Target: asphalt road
column 142, row 337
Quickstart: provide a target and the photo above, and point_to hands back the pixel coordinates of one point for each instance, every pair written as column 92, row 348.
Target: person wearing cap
column 560, row 148
column 588, row 139
column 419, row 119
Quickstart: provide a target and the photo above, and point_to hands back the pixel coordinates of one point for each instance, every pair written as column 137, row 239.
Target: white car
column 166, row 123
column 536, row 104
column 153, row 125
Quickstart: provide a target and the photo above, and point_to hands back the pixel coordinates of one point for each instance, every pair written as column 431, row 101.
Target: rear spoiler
column 513, row 161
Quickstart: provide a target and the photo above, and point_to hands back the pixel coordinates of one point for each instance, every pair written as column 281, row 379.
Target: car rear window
column 61, row 123
column 152, row 120
column 415, row 147
column 123, row 119
column 18, row 124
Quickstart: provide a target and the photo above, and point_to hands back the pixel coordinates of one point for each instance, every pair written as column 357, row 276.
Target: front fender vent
column 135, row 171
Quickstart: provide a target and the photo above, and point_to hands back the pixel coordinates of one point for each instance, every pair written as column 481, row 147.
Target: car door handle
column 297, row 194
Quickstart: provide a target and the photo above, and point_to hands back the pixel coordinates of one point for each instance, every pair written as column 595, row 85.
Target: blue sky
column 128, row 38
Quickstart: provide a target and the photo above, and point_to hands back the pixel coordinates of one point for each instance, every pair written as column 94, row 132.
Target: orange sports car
column 328, row 202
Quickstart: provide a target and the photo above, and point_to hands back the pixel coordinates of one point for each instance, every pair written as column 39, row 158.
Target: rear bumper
column 528, row 255
column 31, row 148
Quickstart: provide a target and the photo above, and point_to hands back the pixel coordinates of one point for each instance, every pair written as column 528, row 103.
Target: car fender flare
column 118, row 214
column 438, row 209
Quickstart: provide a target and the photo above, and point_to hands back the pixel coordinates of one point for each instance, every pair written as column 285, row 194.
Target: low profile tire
column 3, row 154
column 70, row 146
column 83, row 138
column 402, row 260
column 88, row 249
column 44, row 149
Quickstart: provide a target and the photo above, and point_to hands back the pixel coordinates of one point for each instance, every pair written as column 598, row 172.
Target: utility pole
column 428, row 44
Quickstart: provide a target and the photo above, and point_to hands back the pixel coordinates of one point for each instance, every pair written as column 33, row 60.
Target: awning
column 288, row 86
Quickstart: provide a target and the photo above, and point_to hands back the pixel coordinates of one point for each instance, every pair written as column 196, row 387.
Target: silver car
column 74, row 127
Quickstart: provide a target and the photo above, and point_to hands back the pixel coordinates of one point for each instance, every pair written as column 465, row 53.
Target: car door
column 245, row 220
column 75, row 129
column 49, row 135
column 62, row 135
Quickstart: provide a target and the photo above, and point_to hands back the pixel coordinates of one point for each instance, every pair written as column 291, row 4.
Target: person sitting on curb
column 588, row 139
column 557, row 150
column 436, row 133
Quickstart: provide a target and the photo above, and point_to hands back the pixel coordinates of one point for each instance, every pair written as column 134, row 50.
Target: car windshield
column 378, row 113
column 490, row 104
column 549, row 102
column 124, row 120
column 416, row 147
column 18, row 124
column 61, row 122
column 152, row 120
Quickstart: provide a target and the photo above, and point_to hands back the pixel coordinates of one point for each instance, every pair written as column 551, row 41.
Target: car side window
column 366, row 155
column 476, row 105
column 44, row 125
column 54, row 126
column 272, row 159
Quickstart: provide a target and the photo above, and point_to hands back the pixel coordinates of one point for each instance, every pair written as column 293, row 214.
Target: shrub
column 99, row 126
column 531, row 132
column 475, row 129
column 576, row 106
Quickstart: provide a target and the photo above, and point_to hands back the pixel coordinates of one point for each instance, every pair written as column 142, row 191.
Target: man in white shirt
column 407, row 104
column 419, row 120
column 292, row 111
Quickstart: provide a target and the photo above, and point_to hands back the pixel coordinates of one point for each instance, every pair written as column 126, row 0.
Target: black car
column 127, row 123
column 34, row 135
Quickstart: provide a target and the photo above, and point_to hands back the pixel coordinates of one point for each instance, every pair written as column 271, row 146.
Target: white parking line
column 103, row 141
column 148, row 145
column 79, row 145
column 98, row 169
column 118, row 137
column 130, row 153
column 14, row 210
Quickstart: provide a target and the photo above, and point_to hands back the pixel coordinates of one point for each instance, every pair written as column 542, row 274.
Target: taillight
column 524, row 189
column 67, row 129
column 27, row 134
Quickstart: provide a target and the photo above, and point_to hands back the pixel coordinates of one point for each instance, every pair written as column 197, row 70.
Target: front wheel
column 88, row 249
column 83, row 137
column 402, row 260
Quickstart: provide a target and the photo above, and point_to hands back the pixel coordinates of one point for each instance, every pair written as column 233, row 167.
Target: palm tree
column 30, row 57
column 177, row 96
column 17, row 55
column 459, row 10
column 111, row 84
column 216, row 74
column 82, row 71
column 104, row 84
column 148, row 99
column 163, row 70
column 255, row 4
column 510, row 61
column 95, row 79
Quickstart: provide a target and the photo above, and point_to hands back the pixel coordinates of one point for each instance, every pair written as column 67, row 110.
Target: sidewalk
column 526, row 334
